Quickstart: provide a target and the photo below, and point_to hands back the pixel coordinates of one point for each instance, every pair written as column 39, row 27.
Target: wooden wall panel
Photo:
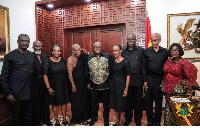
column 51, row 24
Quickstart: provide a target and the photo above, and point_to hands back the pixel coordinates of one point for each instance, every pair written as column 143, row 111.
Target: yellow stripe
column 149, row 44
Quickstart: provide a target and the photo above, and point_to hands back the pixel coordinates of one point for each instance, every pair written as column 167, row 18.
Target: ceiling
column 63, row 3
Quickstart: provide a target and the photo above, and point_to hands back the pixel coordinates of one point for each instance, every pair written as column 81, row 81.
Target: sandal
column 85, row 123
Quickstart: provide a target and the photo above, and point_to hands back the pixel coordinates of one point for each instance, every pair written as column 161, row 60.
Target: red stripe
column 148, row 32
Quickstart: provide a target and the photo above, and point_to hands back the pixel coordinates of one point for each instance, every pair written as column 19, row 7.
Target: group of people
column 32, row 81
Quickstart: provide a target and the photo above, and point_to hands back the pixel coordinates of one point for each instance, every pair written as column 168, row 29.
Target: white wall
column 158, row 10
column 22, row 20
column 22, row 16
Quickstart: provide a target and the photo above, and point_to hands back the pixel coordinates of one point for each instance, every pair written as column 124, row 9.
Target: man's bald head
column 97, row 48
column 155, row 40
column 37, row 46
column 131, row 41
column 36, row 42
column 131, row 36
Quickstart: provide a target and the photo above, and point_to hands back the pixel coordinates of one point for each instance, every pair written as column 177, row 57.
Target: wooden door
column 110, row 36
column 85, row 37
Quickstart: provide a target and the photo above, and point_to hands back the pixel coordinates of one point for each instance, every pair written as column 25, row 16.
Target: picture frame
column 184, row 28
column 4, row 31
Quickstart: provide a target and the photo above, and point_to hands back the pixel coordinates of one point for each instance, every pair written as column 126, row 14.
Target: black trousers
column 154, row 93
column 40, row 103
column 97, row 96
column 21, row 113
column 134, row 97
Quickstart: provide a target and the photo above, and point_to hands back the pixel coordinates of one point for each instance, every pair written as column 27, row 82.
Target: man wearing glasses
column 99, row 68
column 134, row 54
column 155, row 57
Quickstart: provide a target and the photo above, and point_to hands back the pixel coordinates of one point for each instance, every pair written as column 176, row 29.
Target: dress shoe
column 138, row 123
column 92, row 122
column 65, row 123
column 150, row 124
column 157, row 124
column 106, row 123
column 49, row 124
column 57, row 124
column 126, row 123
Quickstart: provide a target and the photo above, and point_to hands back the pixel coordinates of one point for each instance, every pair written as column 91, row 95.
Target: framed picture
column 4, row 31
column 184, row 28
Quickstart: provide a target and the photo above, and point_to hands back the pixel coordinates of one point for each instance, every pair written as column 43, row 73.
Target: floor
column 100, row 122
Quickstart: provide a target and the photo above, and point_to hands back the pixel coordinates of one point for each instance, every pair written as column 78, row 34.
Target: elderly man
column 100, row 67
column 17, row 79
column 155, row 57
column 134, row 54
column 40, row 92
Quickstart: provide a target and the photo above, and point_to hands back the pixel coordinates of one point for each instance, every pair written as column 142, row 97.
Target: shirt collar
column 151, row 48
column 126, row 48
column 93, row 55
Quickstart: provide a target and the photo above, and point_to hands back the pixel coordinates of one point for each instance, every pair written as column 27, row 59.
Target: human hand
column 11, row 99
column 51, row 91
column 125, row 93
column 84, row 51
column 145, row 86
column 73, row 89
column 88, row 86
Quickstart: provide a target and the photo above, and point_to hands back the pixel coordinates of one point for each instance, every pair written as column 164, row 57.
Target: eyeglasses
column 175, row 50
column 98, row 47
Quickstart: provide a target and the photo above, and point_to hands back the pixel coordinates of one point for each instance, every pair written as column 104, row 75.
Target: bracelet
column 125, row 90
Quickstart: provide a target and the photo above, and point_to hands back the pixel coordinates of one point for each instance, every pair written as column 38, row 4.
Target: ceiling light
column 50, row 5
column 87, row 0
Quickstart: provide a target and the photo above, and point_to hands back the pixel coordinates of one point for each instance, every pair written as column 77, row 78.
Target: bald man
column 134, row 54
column 155, row 57
column 79, row 91
column 40, row 93
column 99, row 68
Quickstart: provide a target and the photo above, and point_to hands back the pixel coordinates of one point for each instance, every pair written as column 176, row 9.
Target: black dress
column 120, row 71
column 79, row 99
column 57, row 76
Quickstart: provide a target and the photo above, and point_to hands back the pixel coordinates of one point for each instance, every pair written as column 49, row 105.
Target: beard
column 37, row 52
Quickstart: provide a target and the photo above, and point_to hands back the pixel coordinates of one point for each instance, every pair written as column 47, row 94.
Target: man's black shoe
column 157, row 124
column 49, row 124
column 150, row 124
column 138, row 123
column 92, row 122
column 106, row 123
column 126, row 123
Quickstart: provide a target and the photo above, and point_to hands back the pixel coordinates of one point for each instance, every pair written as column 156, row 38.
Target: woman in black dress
column 121, row 80
column 79, row 93
column 55, row 78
